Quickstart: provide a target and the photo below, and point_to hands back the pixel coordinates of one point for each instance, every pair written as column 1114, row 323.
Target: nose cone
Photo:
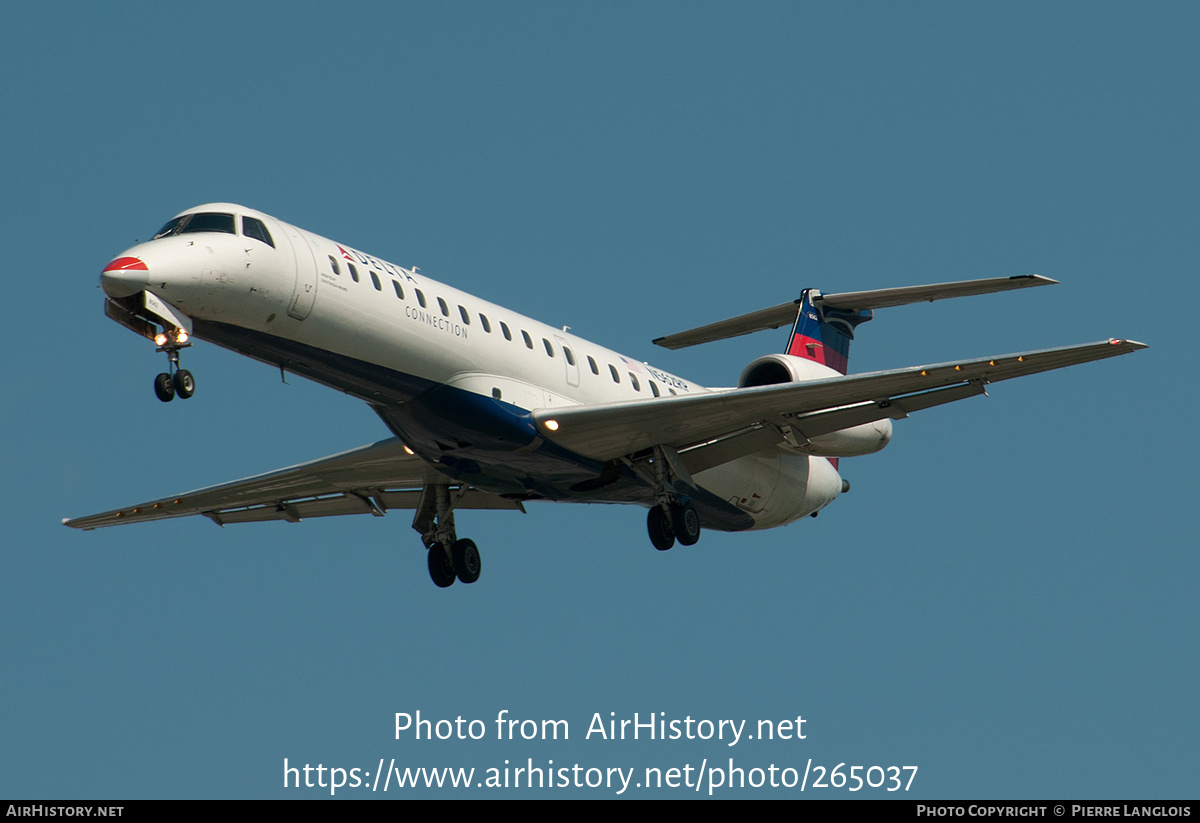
column 124, row 276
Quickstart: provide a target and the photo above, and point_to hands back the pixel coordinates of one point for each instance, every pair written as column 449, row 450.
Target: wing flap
column 355, row 502
column 722, row 450
column 609, row 431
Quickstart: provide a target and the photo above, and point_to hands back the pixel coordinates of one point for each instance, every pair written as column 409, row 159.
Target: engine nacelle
column 774, row 487
column 772, row 369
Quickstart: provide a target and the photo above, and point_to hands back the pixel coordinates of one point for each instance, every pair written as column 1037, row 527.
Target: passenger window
column 504, row 329
column 653, row 388
column 399, row 291
column 592, row 364
column 420, row 297
column 613, row 371
column 445, row 308
column 353, row 273
column 570, row 357
column 253, row 227
column 375, row 280
column 466, row 317
column 549, row 348
column 633, row 379
column 487, row 327
column 333, row 265
column 528, row 339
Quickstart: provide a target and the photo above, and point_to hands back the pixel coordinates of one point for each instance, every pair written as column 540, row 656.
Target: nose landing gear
column 174, row 381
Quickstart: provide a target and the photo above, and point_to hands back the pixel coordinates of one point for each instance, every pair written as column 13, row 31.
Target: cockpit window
column 210, row 221
column 200, row 221
column 253, row 227
column 172, row 227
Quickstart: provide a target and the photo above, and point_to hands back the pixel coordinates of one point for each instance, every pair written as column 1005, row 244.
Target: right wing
column 367, row 480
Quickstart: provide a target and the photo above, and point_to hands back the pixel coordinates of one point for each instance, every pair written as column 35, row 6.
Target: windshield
column 200, row 221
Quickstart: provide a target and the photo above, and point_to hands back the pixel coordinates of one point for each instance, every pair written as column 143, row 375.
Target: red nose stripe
column 125, row 263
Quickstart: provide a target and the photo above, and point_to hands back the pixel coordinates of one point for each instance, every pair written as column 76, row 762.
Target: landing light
column 181, row 336
column 409, row 451
column 160, row 339
column 552, row 425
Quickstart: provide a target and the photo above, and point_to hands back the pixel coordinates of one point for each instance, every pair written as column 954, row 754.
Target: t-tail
column 823, row 324
column 823, row 333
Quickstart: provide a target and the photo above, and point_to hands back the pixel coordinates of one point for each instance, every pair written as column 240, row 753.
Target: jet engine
column 867, row 438
column 775, row 487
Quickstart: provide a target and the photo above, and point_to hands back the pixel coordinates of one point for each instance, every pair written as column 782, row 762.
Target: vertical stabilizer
column 823, row 333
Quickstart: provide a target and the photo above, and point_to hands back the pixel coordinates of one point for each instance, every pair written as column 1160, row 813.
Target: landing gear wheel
column 185, row 384
column 466, row 560
column 164, row 388
column 441, row 570
column 685, row 523
column 660, row 530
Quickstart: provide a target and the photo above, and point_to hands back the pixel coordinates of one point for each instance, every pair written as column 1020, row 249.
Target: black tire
column 686, row 523
column 441, row 570
column 660, row 530
column 466, row 560
column 164, row 388
column 185, row 384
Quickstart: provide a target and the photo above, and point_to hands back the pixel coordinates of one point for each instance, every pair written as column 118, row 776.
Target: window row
column 487, row 327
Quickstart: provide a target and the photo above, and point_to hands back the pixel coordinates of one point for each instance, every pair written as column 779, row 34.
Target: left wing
column 367, row 480
column 756, row 415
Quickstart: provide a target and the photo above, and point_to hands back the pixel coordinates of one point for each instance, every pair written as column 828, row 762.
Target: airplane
column 488, row 409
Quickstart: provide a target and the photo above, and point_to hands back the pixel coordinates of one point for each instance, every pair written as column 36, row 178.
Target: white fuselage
column 308, row 300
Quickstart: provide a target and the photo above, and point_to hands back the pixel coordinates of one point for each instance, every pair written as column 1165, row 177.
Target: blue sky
column 1006, row 598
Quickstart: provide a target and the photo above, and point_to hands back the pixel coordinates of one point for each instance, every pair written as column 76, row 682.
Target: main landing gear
column 174, row 381
column 672, row 517
column 450, row 559
column 461, row 562
column 673, row 521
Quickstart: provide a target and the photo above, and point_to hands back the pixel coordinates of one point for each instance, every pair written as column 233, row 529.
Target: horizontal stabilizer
column 886, row 298
column 772, row 318
column 785, row 313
